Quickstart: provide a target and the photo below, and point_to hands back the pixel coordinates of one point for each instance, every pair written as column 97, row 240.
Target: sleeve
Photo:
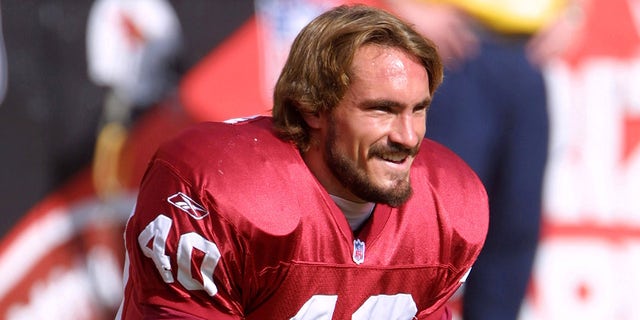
column 185, row 260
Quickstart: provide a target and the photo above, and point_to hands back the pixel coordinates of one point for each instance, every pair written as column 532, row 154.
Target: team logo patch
column 186, row 204
column 358, row 251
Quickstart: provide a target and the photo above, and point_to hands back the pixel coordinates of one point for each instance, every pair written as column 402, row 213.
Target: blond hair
column 316, row 74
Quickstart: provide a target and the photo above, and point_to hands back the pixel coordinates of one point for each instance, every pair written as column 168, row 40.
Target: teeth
column 394, row 157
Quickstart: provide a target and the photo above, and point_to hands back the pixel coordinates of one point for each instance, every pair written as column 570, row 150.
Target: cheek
column 357, row 149
column 352, row 140
column 364, row 143
column 420, row 124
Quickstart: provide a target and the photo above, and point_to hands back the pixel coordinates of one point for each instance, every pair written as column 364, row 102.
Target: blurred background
column 89, row 89
column 51, row 110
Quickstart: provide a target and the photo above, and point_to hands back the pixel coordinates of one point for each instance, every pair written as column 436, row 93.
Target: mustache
column 378, row 150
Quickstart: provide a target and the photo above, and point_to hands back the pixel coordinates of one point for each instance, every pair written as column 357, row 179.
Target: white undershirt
column 355, row 212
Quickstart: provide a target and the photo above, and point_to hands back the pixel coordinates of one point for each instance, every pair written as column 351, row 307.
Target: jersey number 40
column 398, row 306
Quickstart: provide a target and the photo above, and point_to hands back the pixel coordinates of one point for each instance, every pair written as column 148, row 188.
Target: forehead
column 372, row 60
column 383, row 72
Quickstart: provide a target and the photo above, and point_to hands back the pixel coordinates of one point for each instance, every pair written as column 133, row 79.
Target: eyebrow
column 393, row 104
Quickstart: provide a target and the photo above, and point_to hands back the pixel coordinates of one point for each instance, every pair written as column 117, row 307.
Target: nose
column 407, row 130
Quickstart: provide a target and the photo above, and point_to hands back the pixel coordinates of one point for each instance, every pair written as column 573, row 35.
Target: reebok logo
column 186, row 204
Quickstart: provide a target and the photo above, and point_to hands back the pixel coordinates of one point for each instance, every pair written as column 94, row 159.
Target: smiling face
column 367, row 145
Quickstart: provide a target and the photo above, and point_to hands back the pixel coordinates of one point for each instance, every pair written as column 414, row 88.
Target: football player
column 335, row 207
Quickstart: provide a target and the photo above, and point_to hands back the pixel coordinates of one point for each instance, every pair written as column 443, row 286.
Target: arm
column 184, row 261
column 444, row 24
column 555, row 38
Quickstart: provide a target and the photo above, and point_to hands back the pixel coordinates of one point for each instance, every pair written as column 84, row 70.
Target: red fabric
column 281, row 239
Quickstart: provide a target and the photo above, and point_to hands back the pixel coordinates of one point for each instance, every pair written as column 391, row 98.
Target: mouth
column 397, row 158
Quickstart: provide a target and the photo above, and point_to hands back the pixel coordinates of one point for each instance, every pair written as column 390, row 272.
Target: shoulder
column 247, row 173
column 222, row 150
column 444, row 168
column 459, row 197
column 446, row 171
column 219, row 139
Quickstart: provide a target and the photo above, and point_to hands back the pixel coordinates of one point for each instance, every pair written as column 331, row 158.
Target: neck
column 356, row 213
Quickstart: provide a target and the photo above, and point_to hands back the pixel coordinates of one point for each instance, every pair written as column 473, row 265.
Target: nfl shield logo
column 358, row 251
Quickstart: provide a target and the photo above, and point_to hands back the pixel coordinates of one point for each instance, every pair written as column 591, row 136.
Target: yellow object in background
column 511, row 16
column 106, row 160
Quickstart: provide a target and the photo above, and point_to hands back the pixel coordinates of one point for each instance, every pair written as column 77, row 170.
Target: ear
column 313, row 120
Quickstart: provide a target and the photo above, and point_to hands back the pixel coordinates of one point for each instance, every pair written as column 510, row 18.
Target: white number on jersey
column 396, row 307
column 157, row 232
column 389, row 307
column 187, row 243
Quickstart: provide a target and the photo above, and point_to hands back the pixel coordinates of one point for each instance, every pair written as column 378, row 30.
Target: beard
column 358, row 181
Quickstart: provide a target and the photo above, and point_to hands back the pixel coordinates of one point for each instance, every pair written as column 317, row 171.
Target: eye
column 420, row 109
column 382, row 108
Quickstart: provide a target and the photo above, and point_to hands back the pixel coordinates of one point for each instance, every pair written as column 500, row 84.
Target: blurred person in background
column 133, row 48
column 492, row 111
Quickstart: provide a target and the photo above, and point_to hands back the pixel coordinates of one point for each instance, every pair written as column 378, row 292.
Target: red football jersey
column 231, row 224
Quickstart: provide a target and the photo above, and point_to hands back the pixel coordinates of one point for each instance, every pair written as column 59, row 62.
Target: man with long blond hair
column 335, row 207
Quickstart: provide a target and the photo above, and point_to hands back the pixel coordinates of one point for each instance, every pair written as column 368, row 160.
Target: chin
column 395, row 193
